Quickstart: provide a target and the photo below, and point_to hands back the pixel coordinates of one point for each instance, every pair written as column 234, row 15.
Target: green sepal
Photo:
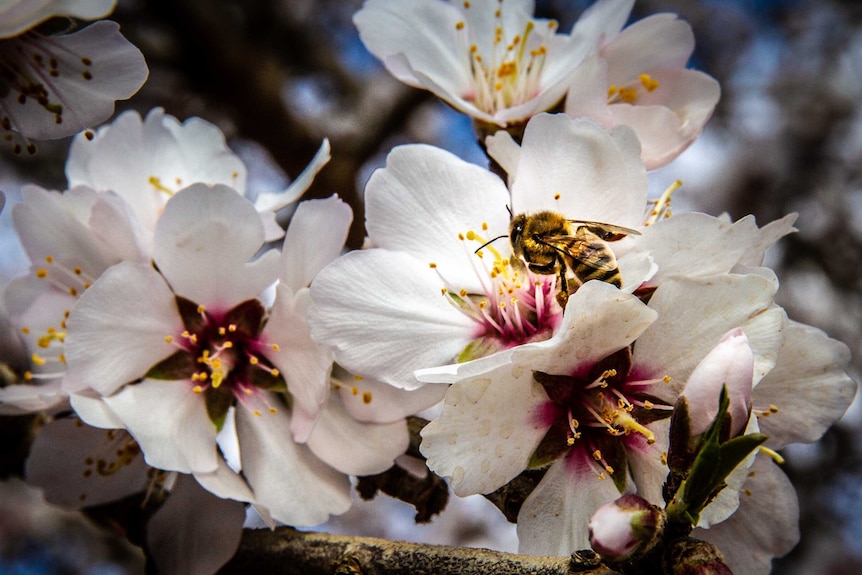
column 553, row 446
column 263, row 379
column 247, row 317
column 218, row 400
column 481, row 347
column 179, row 365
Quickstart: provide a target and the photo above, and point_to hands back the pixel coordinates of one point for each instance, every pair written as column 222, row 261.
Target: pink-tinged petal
column 294, row 485
column 807, row 391
column 377, row 402
column 730, row 365
column 588, row 92
column 16, row 16
column 304, row 365
column 426, row 200
column 394, row 304
column 423, row 33
column 599, row 320
column 193, row 532
column 668, row 119
column 699, row 311
column 114, row 223
column 84, row 94
column 80, row 466
column 658, row 41
column 326, row 223
column 205, row 243
column 766, row 525
column 574, row 167
column 487, row 431
column 117, row 331
column 275, row 201
column 170, row 423
column 602, row 21
column 56, row 225
column 353, row 447
column 554, row 518
column 646, row 461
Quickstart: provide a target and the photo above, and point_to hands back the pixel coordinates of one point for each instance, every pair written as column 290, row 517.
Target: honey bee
column 549, row 243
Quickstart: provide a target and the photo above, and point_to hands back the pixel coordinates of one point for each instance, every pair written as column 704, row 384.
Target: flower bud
column 626, row 526
column 694, row 557
column 731, row 364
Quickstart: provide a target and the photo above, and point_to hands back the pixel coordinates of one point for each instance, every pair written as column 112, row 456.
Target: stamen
column 661, row 207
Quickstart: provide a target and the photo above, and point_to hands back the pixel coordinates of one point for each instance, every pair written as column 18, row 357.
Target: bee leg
column 563, row 289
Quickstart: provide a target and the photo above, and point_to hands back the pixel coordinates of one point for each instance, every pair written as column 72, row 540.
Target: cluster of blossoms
column 183, row 343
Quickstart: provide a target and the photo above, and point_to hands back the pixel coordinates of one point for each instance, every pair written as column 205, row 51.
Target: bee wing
column 608, row 232
column 586, row 248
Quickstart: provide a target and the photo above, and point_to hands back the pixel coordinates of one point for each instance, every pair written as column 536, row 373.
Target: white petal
column 377, row 402
column 354, row 447
column 553, row 519
column 170, row 423
column 78, row 466
column 91, row 408
column 424, row 32
column 193, row 532
column 424, row 198
column 766, row 525
column 368, row 304
column 658, row 41
column 602, row 21
column 487, row 431
column 316, row 236
column 117, row 71
column 23, row 398
column 117, row 331
column 204, row 243
column 809, row 387
column 646, row 462
column 693, row 315
column 504, row 150
column 225, row 483
column 287, row 479
column 304, row 365
column 574, row 167
column 599, row 320
column 275, row 201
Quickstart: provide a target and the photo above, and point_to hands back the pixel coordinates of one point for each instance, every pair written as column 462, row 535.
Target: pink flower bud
column 730, row 363
column 625, row 526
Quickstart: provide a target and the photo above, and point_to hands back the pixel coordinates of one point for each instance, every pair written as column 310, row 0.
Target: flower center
column 600, row 412
column 507, row 72
column 630, row 92
column 515, row 306
column 222, row 356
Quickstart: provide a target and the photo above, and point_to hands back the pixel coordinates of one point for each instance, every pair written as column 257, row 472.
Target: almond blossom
column 174, row 354
column 589, row 407
column 427, row 289
column 637, row 77
column 57, row 85
column 489, row 59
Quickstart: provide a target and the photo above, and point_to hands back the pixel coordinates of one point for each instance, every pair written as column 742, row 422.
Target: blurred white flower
column 637, row 77
column 57, row 85
column 489, row 59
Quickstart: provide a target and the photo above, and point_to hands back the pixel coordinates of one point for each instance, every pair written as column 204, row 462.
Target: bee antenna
column 491, row 241
column 508, row 209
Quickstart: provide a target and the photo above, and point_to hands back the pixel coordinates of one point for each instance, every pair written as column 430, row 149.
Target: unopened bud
column 731, row 364
column 626, row 527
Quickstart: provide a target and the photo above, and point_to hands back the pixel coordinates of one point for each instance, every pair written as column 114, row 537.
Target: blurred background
column 277, row 76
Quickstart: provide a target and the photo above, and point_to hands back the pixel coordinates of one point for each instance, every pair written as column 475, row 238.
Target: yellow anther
column 648, row 82
column 49, row 259
column 37, row 359
column 628, row 95
column 253, row 360
column 169, row 339
column 366, row 397
column 197, row 389
column 432, row 265
column 274, row 372
column 459, row 25
column 41, row 273
column 275, row 347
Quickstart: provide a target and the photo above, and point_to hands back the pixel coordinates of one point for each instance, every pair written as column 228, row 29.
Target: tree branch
column 286, row 551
